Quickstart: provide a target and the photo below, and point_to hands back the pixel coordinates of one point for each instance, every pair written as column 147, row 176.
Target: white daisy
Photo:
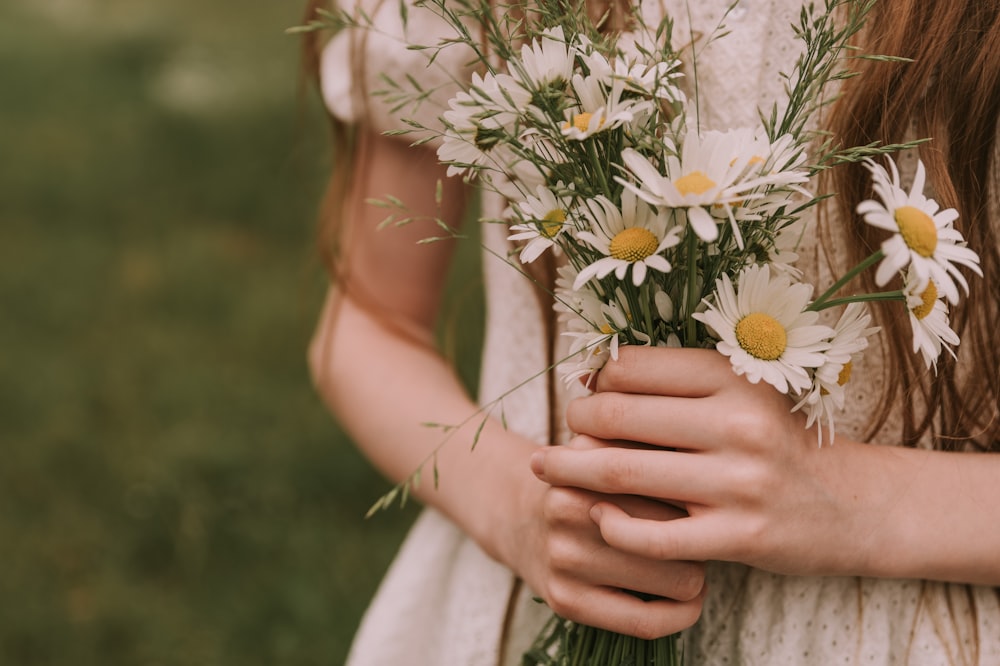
column 591, row 351
column 713, row 169
column 480, row 120
column 545, row 218
column 638, row 74
column 923, row 235
column 593, row 324
column 826, row 396
column 547, row 62
column 631, row 237
column 600, row 107
column 928, row 320
column 764, row 329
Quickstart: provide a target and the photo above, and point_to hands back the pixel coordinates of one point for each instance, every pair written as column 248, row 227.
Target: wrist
column 489, row 491
column 927, row 515
column 513, row 511
column 864, row 534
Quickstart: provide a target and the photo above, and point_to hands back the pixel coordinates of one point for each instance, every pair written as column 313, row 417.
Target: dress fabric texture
column 445, row 603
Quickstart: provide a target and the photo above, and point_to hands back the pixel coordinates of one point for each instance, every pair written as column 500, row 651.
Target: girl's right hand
column 559, row 552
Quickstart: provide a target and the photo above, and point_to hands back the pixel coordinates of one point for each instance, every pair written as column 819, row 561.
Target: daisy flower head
column 764, row 329
column 595, row 327
column 637, row 73
column 480, row 120
column 591, row 351
column 783, row 155
column 825, row 398
column 922, row 235
column 546, row 217
column 546, row 64
column 711, row 169
column 928, row 315
column 782, row 256
column 600, row 107
column 631, row 237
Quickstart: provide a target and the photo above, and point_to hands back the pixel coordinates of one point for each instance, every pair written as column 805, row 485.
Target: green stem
column 881, row 296
column 692, row 288
column 647, row 294
column 820, row 303
column 598, row 167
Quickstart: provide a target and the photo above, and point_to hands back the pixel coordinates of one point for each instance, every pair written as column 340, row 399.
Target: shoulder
column 368, row 73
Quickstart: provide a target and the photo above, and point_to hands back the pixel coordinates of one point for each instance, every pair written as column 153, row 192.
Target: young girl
column 850, row 553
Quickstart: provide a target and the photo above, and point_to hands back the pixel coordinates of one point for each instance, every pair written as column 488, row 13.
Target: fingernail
column 538, row 463
column 595, row 513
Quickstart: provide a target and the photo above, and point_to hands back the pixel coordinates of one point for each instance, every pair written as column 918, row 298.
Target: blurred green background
column 171, row 489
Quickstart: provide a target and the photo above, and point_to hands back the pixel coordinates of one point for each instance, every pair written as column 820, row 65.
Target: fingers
column 689, row 373
column 667, row 475
column 576, row 552
column 624, row 613
column 684, row 539
column 611, row 568
column 652, row 419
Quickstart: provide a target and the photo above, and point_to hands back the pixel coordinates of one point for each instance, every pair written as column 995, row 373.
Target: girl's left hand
column 756, row 486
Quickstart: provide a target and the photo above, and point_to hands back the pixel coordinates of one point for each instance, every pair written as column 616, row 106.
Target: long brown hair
column 344, row 148
column 950, row 92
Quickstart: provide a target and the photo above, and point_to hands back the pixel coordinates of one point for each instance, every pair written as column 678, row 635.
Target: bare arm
column 373, row 355
column 758, row 489
column 375, row 365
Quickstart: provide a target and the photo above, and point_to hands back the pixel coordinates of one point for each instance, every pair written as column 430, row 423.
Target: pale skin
column 757, row 488
column 732, row 473
column 374, row 362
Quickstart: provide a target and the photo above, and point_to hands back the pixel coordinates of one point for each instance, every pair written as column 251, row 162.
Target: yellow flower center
column 633, row 244
column 929, row 298
column 762, row 336
column 845, row 374
column 553, row 221
column 842, row 378
column 581, row 121
column 606, row 329
column 917, row 229
column 695, row 182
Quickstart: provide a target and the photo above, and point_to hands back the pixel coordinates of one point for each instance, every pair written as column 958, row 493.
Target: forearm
column 932, row 515
column 383, row 387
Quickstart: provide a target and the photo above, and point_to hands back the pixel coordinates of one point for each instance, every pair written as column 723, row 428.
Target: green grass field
column 171, row 490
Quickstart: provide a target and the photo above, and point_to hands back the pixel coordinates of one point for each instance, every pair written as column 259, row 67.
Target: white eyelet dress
column 443, row 602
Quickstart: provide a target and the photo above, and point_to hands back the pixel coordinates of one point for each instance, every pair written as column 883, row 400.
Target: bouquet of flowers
column 669, row 234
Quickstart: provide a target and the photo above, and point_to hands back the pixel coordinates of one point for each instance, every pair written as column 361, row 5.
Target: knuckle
column 661, row 545
column 562, row 505
column 562, row 600
column 610, row 413
column 748, row 481
column 563, row 554
column 619, row 472
column 748, row 425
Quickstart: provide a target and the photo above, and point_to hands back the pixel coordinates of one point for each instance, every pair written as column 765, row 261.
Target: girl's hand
column 756, row 487
column 559, row 551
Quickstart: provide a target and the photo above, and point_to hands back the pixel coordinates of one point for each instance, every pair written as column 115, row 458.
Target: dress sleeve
column 355, row 63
